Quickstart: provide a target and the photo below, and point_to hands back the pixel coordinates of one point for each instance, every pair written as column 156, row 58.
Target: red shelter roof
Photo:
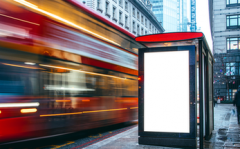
column 164, row 37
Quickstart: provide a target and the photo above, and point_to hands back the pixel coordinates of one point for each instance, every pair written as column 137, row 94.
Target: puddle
column 222, row 131
column 227, row 117
column 222, row 138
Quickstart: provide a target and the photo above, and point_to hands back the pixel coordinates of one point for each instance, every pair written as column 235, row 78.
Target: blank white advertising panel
column 166, row 92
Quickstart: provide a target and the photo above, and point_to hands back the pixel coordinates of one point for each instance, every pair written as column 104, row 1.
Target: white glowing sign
column 166, row 92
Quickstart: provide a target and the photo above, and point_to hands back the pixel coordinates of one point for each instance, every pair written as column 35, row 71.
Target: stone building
column 226, row 48
column 135, row 16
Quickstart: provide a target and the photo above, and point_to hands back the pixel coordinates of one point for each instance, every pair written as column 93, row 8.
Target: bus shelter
column 175, row 89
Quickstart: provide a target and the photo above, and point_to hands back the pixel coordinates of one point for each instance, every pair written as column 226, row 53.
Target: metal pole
column 212, row 95
column 200, row 95
column 206, row 98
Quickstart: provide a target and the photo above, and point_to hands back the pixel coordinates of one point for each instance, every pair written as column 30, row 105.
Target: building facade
column 135, row 16
column 226, row 48
column 172, row 14
column 193, row 25
column 182, row 16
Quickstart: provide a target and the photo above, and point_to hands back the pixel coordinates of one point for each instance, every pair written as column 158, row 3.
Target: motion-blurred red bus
column 63, row 68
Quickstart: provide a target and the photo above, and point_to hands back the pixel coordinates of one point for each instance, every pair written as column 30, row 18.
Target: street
column 225, row 135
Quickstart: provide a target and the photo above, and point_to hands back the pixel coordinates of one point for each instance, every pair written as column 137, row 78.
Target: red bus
column 63, row 72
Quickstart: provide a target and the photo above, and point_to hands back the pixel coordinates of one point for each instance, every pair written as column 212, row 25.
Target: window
column 233, row 43
column 114, row 13
column 150, row 26
column 99, row 5
column 142, row 19
column 145, row 32
column 120, row 3
column 126, row 21
column 133, row 27
column 142, row 31
column 231, row 93
column 133, row 12
column 107, row 9
column 146, row 22
column 138, row 15
column 120, row 17
column 138, row 32
column 232, row 69
column 107, row 4
column 126, row 5
column 233, row 21
column 17, row 81
column 231, row 3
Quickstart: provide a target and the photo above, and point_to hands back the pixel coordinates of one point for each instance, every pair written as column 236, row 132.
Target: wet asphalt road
column 74, row 140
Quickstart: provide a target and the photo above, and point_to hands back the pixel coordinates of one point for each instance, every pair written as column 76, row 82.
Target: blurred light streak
column 0, row 111
column 80, row 71
column 8, row 105
column 27, row 3
column 28, row 110
column 63, row 20
column 20, row 66
column 134, row 108
column 86, row 100
column 61, row 114
column 63, row 100
column 125, row 100
column 52, row 87
column 19, row 19
column 29, row 63
column 104, row 110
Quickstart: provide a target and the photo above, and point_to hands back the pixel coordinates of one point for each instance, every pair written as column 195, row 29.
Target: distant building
column 192, row 23
column 133, row 15
column 172, row 14
column 182, row 16
column 226, row 48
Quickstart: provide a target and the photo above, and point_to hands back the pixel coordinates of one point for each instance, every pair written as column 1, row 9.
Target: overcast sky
column 202, row 20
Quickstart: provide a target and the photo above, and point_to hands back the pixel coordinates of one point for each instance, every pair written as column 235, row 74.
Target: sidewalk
column 226, row 134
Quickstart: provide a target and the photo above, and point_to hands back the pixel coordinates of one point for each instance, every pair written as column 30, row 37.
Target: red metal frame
column 169, row 37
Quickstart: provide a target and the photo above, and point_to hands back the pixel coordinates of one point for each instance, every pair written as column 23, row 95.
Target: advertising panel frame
column 170, row 138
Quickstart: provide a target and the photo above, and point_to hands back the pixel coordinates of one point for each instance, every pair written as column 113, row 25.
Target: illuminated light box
column 166, row 92
column 167, row 109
